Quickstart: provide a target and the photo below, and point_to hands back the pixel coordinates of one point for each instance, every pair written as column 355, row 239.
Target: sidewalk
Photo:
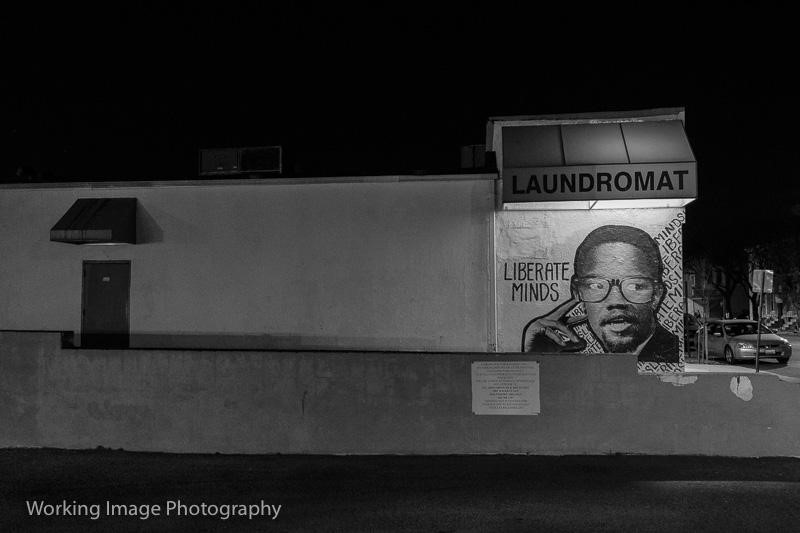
column 404, row 493
column 695, row 368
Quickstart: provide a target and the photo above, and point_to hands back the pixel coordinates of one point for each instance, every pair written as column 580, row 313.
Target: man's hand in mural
column 552, row 332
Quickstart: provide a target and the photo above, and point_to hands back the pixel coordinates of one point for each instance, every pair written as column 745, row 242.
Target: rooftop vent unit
column 237, row 161
column 473, row 156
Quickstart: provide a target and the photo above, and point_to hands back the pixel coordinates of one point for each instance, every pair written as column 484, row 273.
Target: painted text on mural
column 534, row 281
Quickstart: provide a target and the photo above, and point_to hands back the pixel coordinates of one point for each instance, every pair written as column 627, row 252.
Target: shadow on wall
column 233, row 341
column 147, row 229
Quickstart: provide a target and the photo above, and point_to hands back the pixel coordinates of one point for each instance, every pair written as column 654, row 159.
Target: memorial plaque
column 505, row 387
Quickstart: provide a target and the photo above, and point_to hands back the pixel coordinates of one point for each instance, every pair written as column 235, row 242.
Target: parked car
column 735, row 340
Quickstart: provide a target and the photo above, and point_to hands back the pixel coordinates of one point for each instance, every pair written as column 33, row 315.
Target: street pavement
column 400, row 493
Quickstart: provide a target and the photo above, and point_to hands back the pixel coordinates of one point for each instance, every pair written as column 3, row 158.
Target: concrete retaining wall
column 340, row 402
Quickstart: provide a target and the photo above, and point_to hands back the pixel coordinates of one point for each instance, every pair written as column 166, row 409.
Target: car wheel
column 729, row 355
column 783, row 360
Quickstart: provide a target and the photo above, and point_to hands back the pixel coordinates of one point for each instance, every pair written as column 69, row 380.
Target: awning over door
column 97, row 221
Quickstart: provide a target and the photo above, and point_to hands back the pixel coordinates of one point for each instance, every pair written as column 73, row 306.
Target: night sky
column 133, row 93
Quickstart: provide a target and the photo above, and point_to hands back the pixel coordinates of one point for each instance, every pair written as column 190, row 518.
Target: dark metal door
column 106, row 288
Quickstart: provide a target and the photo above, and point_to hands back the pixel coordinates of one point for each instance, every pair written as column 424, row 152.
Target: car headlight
column 745, row 346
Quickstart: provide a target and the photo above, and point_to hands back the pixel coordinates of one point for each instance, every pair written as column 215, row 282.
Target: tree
column 782, row 256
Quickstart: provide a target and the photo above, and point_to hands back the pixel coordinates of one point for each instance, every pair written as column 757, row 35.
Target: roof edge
column 660, row 113
column 240, row 182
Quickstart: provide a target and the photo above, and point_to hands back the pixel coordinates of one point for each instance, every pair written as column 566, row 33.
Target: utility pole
column 758, row 324
column 762, row 282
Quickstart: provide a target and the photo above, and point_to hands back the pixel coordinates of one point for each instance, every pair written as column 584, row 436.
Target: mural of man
column 618, row 281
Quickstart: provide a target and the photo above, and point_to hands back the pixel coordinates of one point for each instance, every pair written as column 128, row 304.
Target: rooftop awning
column 597, row 161
column 97, row 221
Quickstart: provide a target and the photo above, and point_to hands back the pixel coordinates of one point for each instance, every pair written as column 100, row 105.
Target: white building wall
column 382, row 264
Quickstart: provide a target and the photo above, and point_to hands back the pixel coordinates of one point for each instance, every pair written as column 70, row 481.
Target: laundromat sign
column 600, row 182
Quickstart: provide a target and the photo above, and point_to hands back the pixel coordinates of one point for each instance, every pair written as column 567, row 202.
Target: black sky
column 134, row 92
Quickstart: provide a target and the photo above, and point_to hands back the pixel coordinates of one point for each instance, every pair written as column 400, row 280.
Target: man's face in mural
column 621, row 323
